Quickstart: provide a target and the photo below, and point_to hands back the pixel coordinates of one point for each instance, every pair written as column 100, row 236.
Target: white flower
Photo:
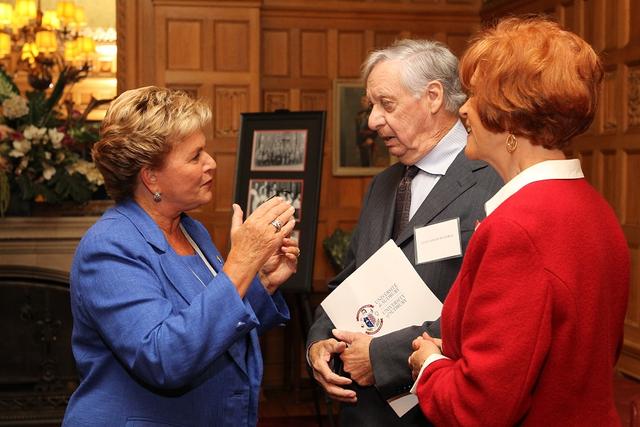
column 55, row 137
column 47, row 155
column 48, row 172
column 20, row 148
column 31, row 132
column 15, row 107
column 88, row 169
column 23, row 164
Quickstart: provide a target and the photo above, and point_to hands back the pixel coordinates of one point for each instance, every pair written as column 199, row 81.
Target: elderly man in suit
column 415, row 94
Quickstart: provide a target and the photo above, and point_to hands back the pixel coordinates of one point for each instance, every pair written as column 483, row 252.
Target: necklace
column 200, row 254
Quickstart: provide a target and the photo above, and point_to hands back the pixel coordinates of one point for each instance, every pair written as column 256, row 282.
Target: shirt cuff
column 432, row 358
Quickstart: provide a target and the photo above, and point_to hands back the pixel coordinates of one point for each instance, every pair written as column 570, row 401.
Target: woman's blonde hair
column 139, row 130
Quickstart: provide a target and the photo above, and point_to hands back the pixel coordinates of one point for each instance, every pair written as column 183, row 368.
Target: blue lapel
column 176, row 271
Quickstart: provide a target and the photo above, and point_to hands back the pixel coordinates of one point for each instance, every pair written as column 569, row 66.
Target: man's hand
column 320, row 354
column 355, row 358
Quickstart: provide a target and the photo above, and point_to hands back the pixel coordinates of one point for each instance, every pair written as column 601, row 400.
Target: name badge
column 435, row 242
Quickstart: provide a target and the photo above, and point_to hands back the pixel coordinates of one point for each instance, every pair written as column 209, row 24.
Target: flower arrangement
column 43, row 157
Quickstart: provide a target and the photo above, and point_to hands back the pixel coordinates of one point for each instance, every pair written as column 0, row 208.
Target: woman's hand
column 423, row 347
column 256, row 239
column 280, row 266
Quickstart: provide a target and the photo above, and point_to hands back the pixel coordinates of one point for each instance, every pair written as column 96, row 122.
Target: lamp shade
column 50, row 20
column 85, row 45
column 29, row 52
column 6, row 14
column 26, row 9
column 5, row 44
column 70, row 50
column 66, row 11
column 80, row 17
column 46, row 41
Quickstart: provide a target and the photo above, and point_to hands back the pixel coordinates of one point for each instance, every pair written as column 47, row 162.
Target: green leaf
column 7, row 87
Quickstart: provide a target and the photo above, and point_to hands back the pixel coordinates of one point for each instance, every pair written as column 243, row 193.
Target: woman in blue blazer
column 165, row 333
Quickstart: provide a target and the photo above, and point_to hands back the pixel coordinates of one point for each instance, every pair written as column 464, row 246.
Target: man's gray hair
column 423, row 61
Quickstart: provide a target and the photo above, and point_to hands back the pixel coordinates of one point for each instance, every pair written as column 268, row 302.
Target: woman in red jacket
column 533, row 326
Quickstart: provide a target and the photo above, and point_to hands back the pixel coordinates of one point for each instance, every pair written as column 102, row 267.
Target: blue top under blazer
column 152, row 345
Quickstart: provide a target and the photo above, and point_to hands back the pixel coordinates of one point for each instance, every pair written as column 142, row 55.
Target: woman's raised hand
column 255, row 240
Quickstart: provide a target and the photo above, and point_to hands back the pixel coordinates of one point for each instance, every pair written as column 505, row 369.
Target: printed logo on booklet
column 369, row 319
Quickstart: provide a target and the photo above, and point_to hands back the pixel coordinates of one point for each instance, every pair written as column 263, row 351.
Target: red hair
column 530, row 77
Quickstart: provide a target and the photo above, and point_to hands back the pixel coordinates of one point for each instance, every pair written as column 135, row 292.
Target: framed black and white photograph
column 279, row 150
column 261, row 190
column 358, row 150
column 280, row 154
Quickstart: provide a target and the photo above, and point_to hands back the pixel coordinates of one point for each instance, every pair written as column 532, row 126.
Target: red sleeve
column 500, row 329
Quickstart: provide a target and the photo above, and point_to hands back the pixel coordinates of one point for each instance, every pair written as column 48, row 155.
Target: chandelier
column 41, row 41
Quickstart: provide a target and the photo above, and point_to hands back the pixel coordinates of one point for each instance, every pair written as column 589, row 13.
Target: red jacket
column 533, row 324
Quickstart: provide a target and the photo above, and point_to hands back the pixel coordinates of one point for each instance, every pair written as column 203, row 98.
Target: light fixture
column 43, row 40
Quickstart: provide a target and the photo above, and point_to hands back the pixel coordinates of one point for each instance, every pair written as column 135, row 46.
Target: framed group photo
column 280, row 154
column 279, row 150
column 357, row 150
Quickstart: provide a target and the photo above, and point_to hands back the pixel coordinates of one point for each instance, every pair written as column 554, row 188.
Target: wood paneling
column 232, row 46
column 184, row 48
column 632, row 179
column 275, row 41
column 350, row 53
column 230, row 102
column 313, row 53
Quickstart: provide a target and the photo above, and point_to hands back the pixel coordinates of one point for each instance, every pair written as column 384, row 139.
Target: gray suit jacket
column 461, row 192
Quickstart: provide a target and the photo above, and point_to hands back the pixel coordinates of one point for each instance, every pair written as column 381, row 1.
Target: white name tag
column 439, row 241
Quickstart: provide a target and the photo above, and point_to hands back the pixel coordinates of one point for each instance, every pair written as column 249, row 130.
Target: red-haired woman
column 532, row 328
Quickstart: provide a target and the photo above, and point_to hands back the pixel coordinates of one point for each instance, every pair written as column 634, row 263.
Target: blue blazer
column 153, row 346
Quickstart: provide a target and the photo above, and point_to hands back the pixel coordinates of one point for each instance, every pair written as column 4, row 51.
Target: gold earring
column 512, row 143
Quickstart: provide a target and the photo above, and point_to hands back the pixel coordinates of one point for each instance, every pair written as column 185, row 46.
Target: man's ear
column 435, row 95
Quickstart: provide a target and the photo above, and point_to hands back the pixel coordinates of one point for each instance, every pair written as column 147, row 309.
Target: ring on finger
column 277, row 224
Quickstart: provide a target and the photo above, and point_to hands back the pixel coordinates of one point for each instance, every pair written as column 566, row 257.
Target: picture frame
column 280, row 154
column 357, row 150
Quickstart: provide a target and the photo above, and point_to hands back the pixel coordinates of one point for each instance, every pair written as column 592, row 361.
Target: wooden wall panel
column 633, row 97
column 313, row 53
column 350, row 54
column 632, row 179
column 276, row 100
column 182, row 33
column 232, row 46
column 275, row 41
column 610, row 98
column 230, row 102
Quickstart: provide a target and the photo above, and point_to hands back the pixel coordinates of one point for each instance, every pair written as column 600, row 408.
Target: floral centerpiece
column 43, row 156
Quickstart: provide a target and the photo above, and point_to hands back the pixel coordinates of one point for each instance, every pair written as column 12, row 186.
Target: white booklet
column 383, row 295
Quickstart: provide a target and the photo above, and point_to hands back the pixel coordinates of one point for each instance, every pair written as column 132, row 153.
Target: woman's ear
column 435, row 95
column 149, row 179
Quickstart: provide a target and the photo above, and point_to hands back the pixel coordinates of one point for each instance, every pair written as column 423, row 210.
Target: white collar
column 549, row 169
column 438, row 160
